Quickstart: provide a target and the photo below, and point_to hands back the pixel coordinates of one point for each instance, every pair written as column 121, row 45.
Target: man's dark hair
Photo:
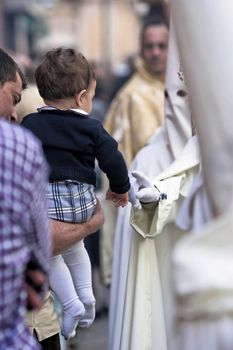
column 152, row 21
column 9, row 68
column 63, row 73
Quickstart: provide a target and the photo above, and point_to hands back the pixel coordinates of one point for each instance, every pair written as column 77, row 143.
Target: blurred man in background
column 137, row 110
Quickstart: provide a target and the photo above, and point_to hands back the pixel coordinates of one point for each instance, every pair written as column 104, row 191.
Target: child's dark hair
column 63, row 73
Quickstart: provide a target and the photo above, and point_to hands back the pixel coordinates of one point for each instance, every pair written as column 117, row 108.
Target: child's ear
column 80, row 97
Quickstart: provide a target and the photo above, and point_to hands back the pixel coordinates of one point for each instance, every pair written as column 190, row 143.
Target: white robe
column 121, row 328
column 137, row 308
column 138, row 300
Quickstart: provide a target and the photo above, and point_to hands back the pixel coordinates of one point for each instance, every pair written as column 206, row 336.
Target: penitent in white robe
column 137, row 306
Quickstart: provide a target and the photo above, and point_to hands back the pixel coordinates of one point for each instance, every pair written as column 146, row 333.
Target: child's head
column 66, row 75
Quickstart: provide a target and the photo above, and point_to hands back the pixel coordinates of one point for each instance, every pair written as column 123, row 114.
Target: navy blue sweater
column 71, row 143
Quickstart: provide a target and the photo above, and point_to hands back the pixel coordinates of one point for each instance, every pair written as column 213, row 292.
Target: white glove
column 147, row 191
column 133, row 194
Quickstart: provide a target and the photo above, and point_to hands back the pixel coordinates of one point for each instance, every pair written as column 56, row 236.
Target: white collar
column 48, row 108
column 80, row 111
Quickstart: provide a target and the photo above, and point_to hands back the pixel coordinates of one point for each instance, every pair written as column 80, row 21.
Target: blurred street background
column 105, row 31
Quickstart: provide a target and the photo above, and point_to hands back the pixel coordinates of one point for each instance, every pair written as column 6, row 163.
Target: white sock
column 71, row 318
column 62, row 284
column 78, row 261
column 88, row 318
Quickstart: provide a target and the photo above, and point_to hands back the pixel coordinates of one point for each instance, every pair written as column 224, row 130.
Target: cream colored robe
column 156, row 224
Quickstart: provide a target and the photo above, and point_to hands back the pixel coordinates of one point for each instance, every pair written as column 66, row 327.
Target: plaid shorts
column 70, row 201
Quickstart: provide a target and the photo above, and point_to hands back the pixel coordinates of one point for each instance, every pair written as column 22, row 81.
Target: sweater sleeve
column 111, row 162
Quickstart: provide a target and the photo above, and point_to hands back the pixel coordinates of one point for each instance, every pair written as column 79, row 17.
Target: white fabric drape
column 205, row 30
column 202, row 263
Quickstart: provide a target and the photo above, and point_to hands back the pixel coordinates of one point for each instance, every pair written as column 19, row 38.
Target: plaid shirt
column 24, row 231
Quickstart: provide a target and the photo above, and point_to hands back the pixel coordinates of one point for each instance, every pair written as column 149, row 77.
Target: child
column 71, row 142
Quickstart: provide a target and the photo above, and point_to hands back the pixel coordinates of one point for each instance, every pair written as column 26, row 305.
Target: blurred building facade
column 22, row 24
column 104, row 30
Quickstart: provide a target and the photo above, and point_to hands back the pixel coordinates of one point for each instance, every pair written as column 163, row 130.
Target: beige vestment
column 136, row 112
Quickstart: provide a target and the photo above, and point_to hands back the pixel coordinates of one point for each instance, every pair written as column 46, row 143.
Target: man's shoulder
column 21, row 151
column 16, row 134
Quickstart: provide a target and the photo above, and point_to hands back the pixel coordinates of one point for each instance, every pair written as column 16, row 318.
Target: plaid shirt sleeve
column 24, row 230
column 38, row 238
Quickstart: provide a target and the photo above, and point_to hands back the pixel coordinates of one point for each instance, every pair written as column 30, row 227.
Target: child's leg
column 78, row 262
column 62, row 284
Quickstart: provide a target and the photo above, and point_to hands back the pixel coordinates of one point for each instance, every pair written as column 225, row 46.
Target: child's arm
column 119, row 200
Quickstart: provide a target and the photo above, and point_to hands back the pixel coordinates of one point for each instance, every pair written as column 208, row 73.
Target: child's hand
column 119, row 200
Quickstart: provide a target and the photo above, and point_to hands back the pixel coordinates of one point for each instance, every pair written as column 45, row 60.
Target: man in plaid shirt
column 24, row 232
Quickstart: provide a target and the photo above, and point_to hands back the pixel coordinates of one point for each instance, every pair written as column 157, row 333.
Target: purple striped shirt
column 24, row 230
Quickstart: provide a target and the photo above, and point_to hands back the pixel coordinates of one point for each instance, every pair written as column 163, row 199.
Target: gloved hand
column 133, row 194
column 147, row 192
